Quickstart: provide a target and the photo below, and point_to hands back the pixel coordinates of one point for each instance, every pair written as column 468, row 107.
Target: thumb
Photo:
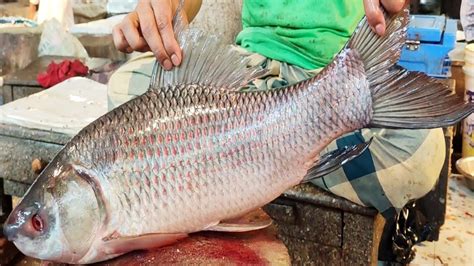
column 375, row 16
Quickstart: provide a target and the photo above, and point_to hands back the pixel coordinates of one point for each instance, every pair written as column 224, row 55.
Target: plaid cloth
column 399, row 166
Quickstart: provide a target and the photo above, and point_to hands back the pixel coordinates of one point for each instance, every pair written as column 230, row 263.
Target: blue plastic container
column 429, row 40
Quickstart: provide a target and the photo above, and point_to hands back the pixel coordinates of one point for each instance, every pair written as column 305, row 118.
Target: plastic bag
column 56, row 41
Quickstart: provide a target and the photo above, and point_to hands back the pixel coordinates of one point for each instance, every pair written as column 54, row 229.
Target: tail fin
column 403, row 99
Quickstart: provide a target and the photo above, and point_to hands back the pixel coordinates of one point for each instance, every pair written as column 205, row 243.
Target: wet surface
column 252, row 248
column 456, row 240
column 257, row 248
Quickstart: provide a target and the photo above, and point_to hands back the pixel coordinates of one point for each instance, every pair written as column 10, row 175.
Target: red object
column 57, row 73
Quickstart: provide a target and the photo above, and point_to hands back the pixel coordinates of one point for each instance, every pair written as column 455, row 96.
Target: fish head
column 58, row 218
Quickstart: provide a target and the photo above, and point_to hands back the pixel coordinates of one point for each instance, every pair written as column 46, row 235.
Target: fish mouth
column 15, row 223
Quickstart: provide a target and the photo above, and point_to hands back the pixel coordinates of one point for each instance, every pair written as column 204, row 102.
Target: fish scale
column 272, row 128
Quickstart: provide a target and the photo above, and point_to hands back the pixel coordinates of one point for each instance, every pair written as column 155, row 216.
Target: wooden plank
column 379, row 225
column 17, row 154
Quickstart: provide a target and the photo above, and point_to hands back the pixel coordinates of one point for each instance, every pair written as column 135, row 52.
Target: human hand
column 373, row 11
column 149, row 28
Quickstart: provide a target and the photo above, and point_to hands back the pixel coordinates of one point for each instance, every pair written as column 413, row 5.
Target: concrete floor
column 456, row 243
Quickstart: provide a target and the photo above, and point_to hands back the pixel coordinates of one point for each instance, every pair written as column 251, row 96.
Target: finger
column 375, row 16
column 130, row 28
column 393, row 6
column 145, row 48
column 152, row 36
column 165, row 27
column 119, row 40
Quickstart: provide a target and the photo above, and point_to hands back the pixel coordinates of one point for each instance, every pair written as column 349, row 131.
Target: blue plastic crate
column 429, row 40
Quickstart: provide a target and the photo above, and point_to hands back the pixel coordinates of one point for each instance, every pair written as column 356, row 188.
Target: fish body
column 192, row 153
column 187, row 157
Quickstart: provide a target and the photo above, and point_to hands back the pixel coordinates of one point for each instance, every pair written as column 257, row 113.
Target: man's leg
column 399, row 166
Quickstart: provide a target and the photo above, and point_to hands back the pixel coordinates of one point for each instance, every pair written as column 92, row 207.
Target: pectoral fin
column 335, row 159
column 231, row 227
column 252, row 221
column 121, row 245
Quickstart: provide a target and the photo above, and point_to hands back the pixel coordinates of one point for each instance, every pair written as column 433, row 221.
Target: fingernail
column 175, row 60
column 167, row 64
column 380, row 29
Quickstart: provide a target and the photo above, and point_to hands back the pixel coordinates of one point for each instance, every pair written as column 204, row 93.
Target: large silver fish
column 194, row 151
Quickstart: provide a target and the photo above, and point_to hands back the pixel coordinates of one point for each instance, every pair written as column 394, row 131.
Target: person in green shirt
column 316, row 30
column 294, row 40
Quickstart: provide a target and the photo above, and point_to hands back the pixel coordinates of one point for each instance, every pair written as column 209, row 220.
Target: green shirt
column 306, row 33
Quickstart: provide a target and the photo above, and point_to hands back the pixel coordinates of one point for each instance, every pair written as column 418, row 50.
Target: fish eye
column 37, row 223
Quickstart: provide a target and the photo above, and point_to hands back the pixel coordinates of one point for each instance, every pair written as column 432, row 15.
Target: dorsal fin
column 206, row 61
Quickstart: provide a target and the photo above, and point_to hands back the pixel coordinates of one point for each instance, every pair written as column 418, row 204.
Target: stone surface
column 18, row 92
column 15, row 188
column 27, row 75
column 6, row 93
column 19, row 48
column 358, row 239
column 311, row 253
column 17, row 154
column 319, row 225
column 101, row 47
column 19, row 147
column 33, row 134
column 321, row 229
column 311, row 194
